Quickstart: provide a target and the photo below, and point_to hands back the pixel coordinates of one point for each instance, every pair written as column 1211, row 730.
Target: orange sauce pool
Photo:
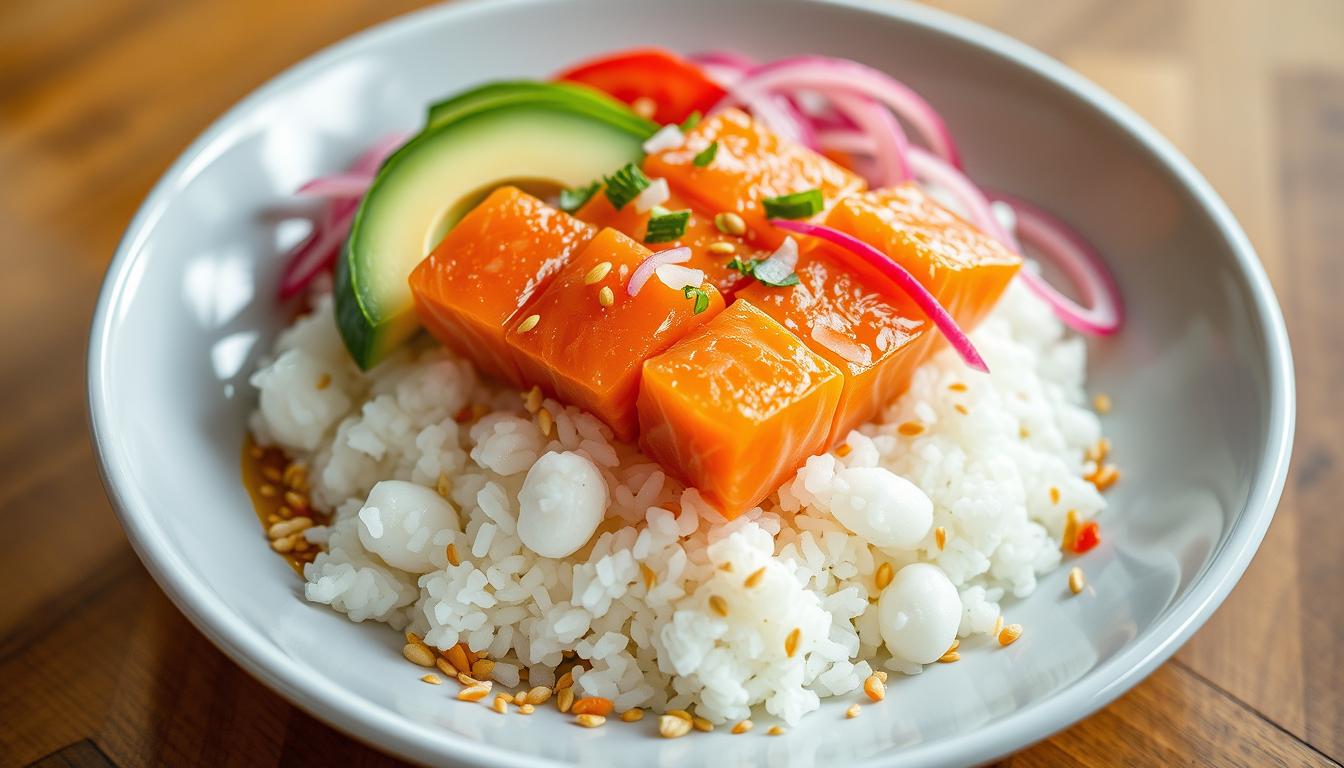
column 278, row 489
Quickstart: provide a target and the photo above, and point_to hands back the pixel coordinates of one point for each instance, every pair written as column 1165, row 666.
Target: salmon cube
column 965, row 269
column 750, row 164
column 497, row 258
column 736, row 407
column 876, row 338
column 589, row 355
column 700, row 235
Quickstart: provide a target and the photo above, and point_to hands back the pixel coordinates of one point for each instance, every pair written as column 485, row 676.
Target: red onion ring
column 337, row 186
column 903, row 280
column 316, row 254
column 889, row 145
column 646, row 267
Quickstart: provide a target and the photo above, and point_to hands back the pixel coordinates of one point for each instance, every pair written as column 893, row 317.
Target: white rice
column 989, row 473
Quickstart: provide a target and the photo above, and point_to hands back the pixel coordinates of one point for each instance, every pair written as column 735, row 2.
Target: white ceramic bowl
column 1201, row 377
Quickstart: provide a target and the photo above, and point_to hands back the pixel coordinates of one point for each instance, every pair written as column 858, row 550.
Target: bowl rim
column 383, row 729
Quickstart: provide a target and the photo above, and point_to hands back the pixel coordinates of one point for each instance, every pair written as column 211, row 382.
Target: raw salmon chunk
column 750, row 164
column 589, row 355
column 962, row 267
column 700, row 235
column 875, row 338
column 737, row 406
column 490, row 265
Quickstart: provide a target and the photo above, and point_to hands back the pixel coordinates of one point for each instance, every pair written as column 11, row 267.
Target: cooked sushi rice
column 670, row 605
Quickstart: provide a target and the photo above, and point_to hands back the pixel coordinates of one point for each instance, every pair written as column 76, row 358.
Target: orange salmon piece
column 875, row 338
column 736, row 407
column 590, row 356
column 751, row 164
column 962, row 267
column 700, row 234
column 497, row 258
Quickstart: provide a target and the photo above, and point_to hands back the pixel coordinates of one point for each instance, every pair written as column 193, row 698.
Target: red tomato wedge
column 676, row 87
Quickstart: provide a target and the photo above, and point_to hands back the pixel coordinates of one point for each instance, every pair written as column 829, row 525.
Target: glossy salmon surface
column 962, row 267
column 737, row 406
column 590, row 355
column 751, row 164
column 497, row 258
column 700, row 235
column 875, row 338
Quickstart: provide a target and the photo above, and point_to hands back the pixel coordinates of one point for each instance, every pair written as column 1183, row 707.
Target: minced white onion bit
column 656, row 193
column 667, row 137
column 677, row 277
column 786, row 254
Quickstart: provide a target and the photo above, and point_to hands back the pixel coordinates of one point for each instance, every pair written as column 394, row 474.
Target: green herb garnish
column 625, row 185
column 573, row 199
column 690, row 122
column 743, row 266
column 700, row 295
column 706, row 155
column 799, row 205
column 766, row 272
column 667, row 227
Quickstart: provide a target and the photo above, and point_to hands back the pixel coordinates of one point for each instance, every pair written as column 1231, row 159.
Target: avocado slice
column 535, row 132
column 576, row 97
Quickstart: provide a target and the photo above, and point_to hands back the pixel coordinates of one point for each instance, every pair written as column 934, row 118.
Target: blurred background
column 97, row 98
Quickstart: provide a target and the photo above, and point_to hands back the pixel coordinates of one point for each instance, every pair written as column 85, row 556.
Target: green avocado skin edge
column 372, row 326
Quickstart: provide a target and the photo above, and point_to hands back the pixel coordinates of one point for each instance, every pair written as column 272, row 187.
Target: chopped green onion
column 706, row 155
column 625, row 185
column 573, row 199
column 690, row 122
column 667, row 227
column 743, row 266
column 700, row 295
column 799, row 205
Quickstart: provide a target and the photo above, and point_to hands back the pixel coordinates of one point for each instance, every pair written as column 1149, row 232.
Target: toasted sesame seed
column 272, row 519
column 466, row 679
column 730, row 223
column 545, row 421
column 473, row 693
column 1054, row 495
column 419, row 654
column 791, row 641
column 271, row 473
column 742, row 727
column 1070, row 527
column 1105, row 477
column 296, row 500
column 288, row 527
column 644, row 106
column 650, row 578
column 673, row 727
column 451, row 554
column 957, row 386
column 683, row 714
column 532, row 400
column 589, row 720
column 539, row 695
column 754, row 578
column 721, row 248
column 632, row 715
column 564, row 701
column 323, row 381
column 1009, row 634
column 853, row 711
column 959, row 408
column 444, row 485
column 727, row 567
column 295, row 475
column 457, row 656
column 775, row 730
column 565, row 681
column 843, row 450
column 949, row 657
column 482, row 669
column 445, row 667
column 596, row 274
column 595, row 705
column 284, row 544
column 431, row 679
column 528, row 323
column 881, row 674
column 884, row 575
column 719, row 605
column 1077, row 581
column 526, row 709
column 268, row 490
column 701, row 724
column 998, row 626
column 606, row 297
column 1102, row 403
column 501, row 704
column 910, row 428
column 411, row 637
column 875, row 688
column 940, row 537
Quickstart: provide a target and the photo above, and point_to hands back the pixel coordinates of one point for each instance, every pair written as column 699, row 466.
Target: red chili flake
column 1087, row 538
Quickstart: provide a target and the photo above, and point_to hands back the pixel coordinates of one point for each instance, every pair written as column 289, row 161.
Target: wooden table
column 96, row 98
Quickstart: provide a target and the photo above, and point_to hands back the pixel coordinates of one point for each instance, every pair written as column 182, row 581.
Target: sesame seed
column 595, row 705
column 701, row 724
column 1105, row 477
column 457, row 656
column 949, row 657
column 501, row 704
column 791, row 641
column 538, row 695
column 1009, row 634
column 681, row 713
column 545, row 421
column 1076, row 580
column 565, row 681
column 844, row 450
column 874, row 688
column 431, row 679
column 482, row 669
column 271, row 473
column 473, row 693
column 910, row 428
column 673, row 727
column 268, row 490
column 775, row 730
column 296, row 500
column 940, row 537
column 1070, row 527
column 451, row 554
column 323, row 381
column 727, row 567
column 606, row 297
column 445, row 667
column 742, row 727
column 957, row 386
column 1054, row 495
column 565, row 700
column 526, row 709
column 721, row 248
column 960, row 409
column 589, row 720
column 884, row 575
column 650, row 578
column 719, row 605
column 754, row 578
column 288, row 527
column 1102, row 403
column 852, row 712
column 532, row 400
column 730, row 223
column 881, row 674
column 597, row 273
column 529, row 323
column 283, row 545
column 632, row 715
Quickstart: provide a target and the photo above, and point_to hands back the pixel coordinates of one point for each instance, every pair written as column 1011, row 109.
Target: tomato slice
column 676, row 86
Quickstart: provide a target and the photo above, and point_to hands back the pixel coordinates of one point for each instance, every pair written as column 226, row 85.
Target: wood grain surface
column 96, row 99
